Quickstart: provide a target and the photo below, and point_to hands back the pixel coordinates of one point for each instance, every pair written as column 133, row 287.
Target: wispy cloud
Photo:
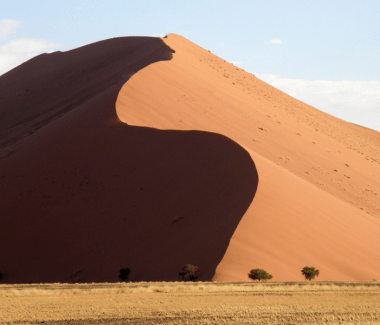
column 236, row 62
column 158, row 35
column 275, row 41
column 26, row 46
column 353, row 101
column 17, row 51
column 7, row 27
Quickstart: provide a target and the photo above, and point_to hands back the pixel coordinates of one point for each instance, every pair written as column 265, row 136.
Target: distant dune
column 171, row 176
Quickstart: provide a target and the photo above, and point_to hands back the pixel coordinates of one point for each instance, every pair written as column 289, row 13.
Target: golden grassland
column 270, row 302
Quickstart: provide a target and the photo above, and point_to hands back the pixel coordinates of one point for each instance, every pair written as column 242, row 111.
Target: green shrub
column 258, row 274
column 189, row 270
column 309, row 273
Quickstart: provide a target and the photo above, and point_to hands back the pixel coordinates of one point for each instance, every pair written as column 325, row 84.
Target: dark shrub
column 124, row 273
column 258, row 274
column 189, row 270
column 309, row 273
column 3, row 275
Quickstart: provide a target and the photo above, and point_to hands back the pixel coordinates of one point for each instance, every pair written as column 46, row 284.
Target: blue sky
column 325, row 53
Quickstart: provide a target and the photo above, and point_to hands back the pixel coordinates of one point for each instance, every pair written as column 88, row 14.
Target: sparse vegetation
column 309, row 272
column 3, row 275
column 189, row 270
column 124, row 273
column 259, row 274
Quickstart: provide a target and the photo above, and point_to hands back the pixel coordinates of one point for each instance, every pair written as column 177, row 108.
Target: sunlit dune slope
column 317, row 203
column 83, row 195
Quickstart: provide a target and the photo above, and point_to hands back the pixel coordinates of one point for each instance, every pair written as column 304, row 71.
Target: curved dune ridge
column 84, row 195
column 169, row 178
column 317, row 203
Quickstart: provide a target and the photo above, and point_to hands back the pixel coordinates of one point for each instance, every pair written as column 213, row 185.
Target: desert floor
column 192, row 303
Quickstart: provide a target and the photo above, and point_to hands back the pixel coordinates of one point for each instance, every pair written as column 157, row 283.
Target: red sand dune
column 317, row 203
column 84, row 195
column 170, row 179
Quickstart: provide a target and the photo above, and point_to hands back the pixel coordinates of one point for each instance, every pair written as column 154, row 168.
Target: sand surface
column 318, row 197
column 200, row 303
column 199, row 162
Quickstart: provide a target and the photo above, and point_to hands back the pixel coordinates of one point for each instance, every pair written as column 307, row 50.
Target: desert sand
column 192, row 303
column 317, row 201
column 152, row 153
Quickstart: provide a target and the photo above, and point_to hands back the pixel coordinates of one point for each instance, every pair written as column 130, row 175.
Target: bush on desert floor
column 3, row 275
column 258, row 274
column 189, row 270
column 124, row 273
column 309, row 272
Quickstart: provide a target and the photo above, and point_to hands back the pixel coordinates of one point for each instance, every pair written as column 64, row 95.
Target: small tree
column 189, row 270
column 124, row 273
column 258, row 274
column 309, row 273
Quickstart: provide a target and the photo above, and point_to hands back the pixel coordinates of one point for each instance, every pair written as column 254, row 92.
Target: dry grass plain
column 192, row 303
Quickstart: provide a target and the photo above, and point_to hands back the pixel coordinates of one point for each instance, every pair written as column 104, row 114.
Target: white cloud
column 236, row 62
column 275, row 41
column 162, row 35
column 354, row 101
column 7, row 27
column 18, row 51
column 26, row 46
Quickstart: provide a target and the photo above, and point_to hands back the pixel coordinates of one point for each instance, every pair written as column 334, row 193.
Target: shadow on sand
column 87, row 195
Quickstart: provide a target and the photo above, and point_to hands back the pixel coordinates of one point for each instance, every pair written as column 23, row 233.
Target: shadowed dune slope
column 83, row 195
column 317, row 203
column 50, row 85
